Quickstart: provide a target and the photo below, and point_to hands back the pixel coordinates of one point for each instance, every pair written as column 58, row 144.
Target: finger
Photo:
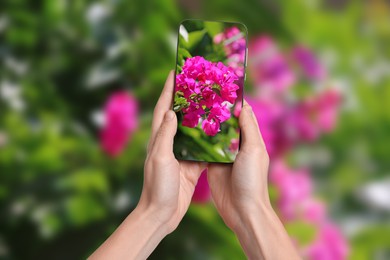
column 163, row 141
column 220, row 173
column 164, row 104
column 192, row 170
column 250, row 132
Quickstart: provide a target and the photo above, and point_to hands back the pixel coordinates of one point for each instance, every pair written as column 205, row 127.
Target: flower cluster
column 286, row 120
column 205, row 90
column 234, row 42
column 269, row 66
column 284, row 124
column 309, row 64
column 296, row 203
column 121, row 120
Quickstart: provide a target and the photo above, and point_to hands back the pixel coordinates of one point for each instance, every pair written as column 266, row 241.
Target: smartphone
column 208, row 92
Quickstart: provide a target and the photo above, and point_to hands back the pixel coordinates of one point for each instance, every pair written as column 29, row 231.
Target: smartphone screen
column 208, row 95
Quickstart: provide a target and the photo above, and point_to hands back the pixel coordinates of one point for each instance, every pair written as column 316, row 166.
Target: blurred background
column 78, row 83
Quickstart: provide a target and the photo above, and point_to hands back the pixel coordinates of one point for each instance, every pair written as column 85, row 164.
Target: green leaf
column 194, row 38
column 213, row 28
column 184, row 53
column 180, row 102
column 208, row 151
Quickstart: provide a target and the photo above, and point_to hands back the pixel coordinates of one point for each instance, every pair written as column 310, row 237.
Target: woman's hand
column 166, row 194
column 168, row 183
column 240, row 194
column 240, row 187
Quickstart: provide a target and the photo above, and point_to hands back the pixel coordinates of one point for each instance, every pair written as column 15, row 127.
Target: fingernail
column 169, row 115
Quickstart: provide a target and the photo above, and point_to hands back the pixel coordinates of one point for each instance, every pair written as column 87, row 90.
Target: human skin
column 239, row 192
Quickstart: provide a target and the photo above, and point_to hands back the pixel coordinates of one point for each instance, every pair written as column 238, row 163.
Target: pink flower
column 237, row 109
column 220, row 112
column 270, row 114
column 121, row 113
column 235, row 47
column 315, row 115
column 192, row 115
column 203, row 91
column 329, row 245
column 202, row 189
column 309, row 63
column 211, row 126
column 269, row 67
column 313, row 211
column 229, row 92
column 234, row 143
column 328, row 105
column 294, row 187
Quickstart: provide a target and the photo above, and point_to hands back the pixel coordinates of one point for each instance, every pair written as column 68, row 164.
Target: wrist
column 252, row 215
column 261, row 233
column 151, row 217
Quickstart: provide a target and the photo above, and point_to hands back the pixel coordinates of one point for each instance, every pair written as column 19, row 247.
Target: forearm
column 136, row 238
column 263, row 236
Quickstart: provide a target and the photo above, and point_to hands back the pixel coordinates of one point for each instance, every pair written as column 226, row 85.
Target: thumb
column 250, row 132
column 163, row 143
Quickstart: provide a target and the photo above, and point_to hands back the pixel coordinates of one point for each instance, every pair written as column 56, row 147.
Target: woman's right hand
column 240, row 194
column 238, row 188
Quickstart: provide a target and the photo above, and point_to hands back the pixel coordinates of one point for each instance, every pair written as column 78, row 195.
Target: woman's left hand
column 168, row 183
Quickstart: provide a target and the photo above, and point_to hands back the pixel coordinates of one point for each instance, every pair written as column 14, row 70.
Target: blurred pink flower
column 328, row 105
column 313, row 211
column 315, row 115
column 235, row 47
column 269, row 67
column 121, row 120
column 202, row 190
column 329, row 245
column 270, row 114
column 311, row 67
column 294, row 187
column 234, row 144
column 296, row 202
column 237, row 109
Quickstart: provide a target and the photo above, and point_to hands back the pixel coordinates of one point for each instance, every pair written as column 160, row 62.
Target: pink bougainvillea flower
column 328, row 105
column 220, row 112
column 313, row 211
column 192, row 115
column 234, row 42
column 211, row 126
column 270, row 115
column 202, row 189
column 311, row 67
column 294, row 187
column 121, row 120
column 237, row 109
column 268, row 65
column 229, row 92
column 315, row 115
column 205, row 91
column 234, row 144
column 329, row 245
